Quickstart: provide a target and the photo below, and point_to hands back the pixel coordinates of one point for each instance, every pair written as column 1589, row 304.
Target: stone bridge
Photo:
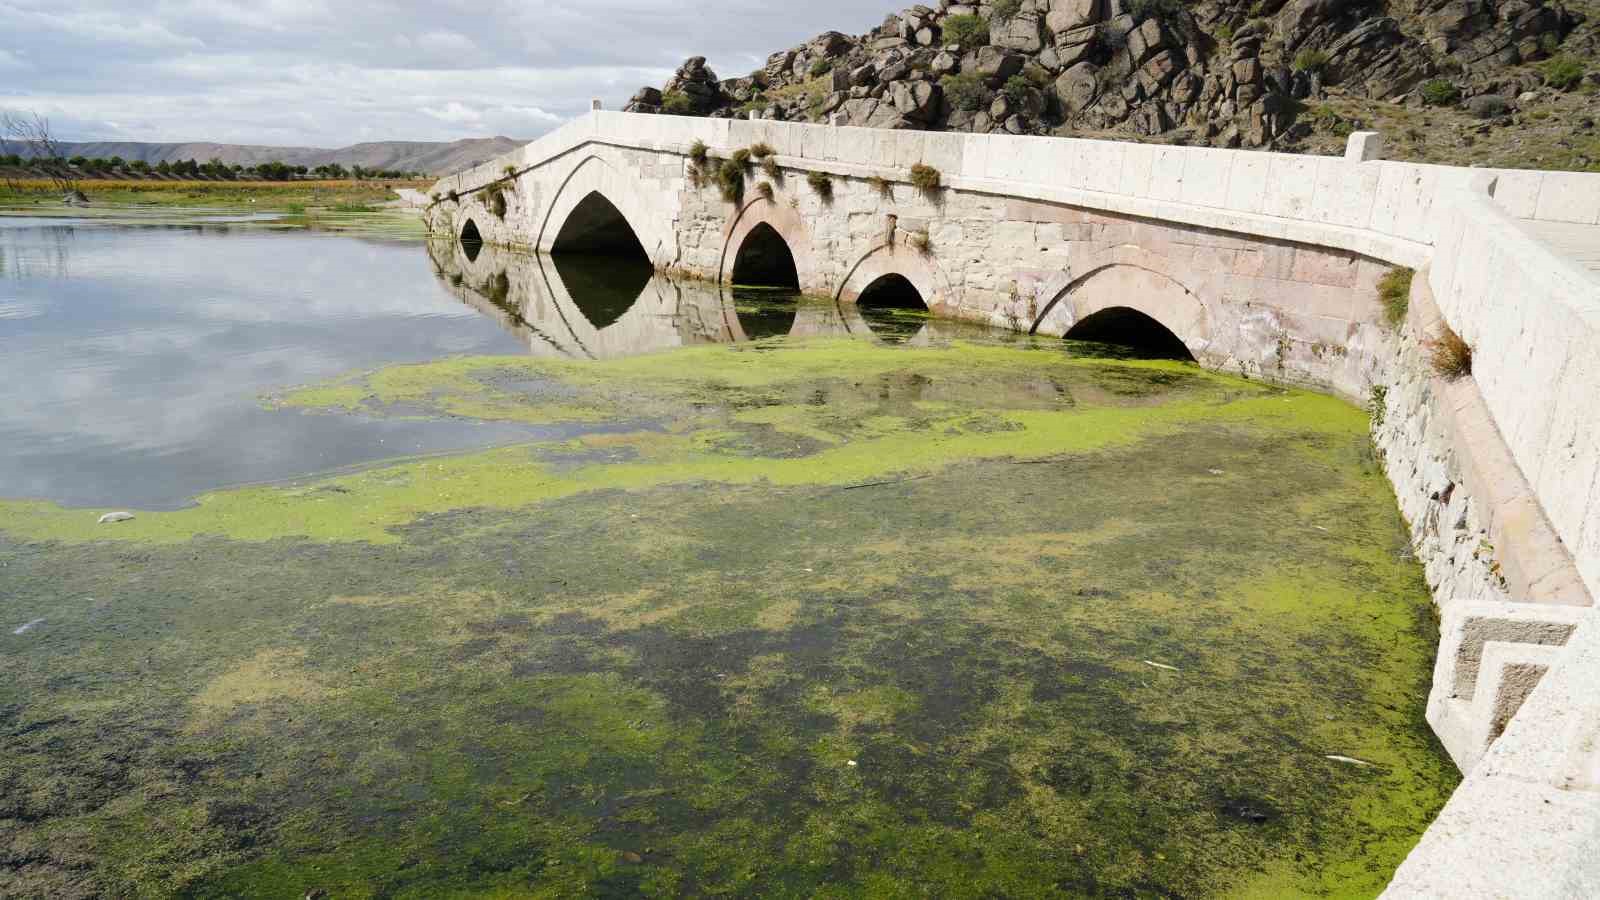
column 1261, row 264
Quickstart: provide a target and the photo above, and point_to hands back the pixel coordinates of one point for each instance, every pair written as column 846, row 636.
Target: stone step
column 1491, row 656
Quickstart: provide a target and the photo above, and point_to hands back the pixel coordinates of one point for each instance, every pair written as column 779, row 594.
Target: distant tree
column 31, row 133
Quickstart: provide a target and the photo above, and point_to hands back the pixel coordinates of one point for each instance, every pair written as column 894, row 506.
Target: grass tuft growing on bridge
column 1394, row 292
column 1451, row 355
column 822, row 183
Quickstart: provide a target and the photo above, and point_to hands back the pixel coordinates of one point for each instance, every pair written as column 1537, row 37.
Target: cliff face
column 1222, row 72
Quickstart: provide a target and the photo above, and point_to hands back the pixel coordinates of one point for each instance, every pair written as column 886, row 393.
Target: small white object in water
column 1347, row 759
column 1156, row 665
column 115, row 517
column 851, row 763
column 28, row 627
column 1215, row 471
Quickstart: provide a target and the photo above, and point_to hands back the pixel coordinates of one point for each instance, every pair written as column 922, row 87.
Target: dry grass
column 822, row 183
column 1452, row 356
column 254, row 194
column 926, row 178
column 764, row 189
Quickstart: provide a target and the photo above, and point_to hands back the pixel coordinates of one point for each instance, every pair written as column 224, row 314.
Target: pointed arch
column 620, row 192
column 596, row 226
column 765, row 260
column 1132, row 280
column 916, row 267
column 785, row 223
column 471, row 240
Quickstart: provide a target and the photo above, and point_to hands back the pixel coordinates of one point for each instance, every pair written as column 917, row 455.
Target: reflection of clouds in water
column 17, row 309
column 139, row 369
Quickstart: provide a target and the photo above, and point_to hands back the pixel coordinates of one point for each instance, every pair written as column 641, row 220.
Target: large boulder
column 995, row 64
column 1301, row 17
column 1077, row 87
column 1067, row 15
column 916, row 100
column 1022, row 33
column 830, row 43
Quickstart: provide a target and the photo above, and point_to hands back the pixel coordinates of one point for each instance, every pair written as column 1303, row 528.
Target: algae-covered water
column 769, row 606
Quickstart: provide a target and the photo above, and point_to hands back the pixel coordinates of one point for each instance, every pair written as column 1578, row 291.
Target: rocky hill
column 407, row 156
column 1508, row 82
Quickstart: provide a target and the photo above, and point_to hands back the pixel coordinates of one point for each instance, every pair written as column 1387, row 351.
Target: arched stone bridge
column 1262, row 264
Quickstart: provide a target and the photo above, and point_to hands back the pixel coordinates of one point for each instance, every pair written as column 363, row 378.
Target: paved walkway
column 1576, row 242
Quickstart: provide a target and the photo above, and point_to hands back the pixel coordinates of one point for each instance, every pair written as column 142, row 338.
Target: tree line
column 190, row 168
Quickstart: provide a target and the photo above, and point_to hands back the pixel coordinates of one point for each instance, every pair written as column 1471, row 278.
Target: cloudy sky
column 326, row 74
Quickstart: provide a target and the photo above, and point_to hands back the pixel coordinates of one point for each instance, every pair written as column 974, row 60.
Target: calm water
column 136, row 358
column 729, row 594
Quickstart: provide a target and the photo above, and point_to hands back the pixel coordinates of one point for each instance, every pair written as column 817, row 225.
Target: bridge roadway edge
column 1497, row 474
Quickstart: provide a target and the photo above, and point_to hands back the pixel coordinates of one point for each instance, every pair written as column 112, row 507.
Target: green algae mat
column 794, row 619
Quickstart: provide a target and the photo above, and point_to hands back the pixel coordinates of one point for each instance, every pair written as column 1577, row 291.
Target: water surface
column 768, row 598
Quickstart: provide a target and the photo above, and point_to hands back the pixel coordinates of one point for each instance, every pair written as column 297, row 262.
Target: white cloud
column 310, row 73
column 455, row 112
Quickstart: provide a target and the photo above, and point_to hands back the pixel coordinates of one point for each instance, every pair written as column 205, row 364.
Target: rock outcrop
column 1221, row 72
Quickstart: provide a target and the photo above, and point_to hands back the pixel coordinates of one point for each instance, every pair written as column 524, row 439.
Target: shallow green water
column 801, row 616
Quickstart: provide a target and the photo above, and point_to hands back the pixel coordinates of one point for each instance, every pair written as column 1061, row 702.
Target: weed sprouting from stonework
column 765, row 191
column 822, row 184
column 730, row 178
column 1451, row 356
column 1394, row 293
column 922, row 242
column 926, row 178
column 698, row 153
column 883, row 186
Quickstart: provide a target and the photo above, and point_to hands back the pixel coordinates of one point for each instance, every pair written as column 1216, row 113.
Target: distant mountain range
column 431, row 157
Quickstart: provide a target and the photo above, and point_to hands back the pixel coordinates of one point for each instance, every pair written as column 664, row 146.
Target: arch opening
column 891, row 291
column 602, row 288
column 1133, row 333
column 765, row 260
column 599, row 258
column 893, row 308
column 596, row 227
column 471, row 240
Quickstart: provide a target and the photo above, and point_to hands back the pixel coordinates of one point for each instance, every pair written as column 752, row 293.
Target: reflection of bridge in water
column 582, row 307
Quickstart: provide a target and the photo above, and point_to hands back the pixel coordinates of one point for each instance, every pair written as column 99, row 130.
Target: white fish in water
column 1162, row 666
column 1347, row 759
column 24, row 629
column 115, row 517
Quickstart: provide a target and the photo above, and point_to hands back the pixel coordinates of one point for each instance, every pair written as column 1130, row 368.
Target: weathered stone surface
column 916, row 100
column 1022, row 33
column 995, row 64
column 1148, row 38
column 1066, row 15
column 1077, row 87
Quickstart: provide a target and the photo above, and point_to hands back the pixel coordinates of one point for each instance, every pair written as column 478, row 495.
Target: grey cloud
column 323, row 74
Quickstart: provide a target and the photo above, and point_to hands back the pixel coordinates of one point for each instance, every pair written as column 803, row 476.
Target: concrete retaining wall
column 1265, row 264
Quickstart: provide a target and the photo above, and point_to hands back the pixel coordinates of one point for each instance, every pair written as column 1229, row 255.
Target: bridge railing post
column 1363, row 146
